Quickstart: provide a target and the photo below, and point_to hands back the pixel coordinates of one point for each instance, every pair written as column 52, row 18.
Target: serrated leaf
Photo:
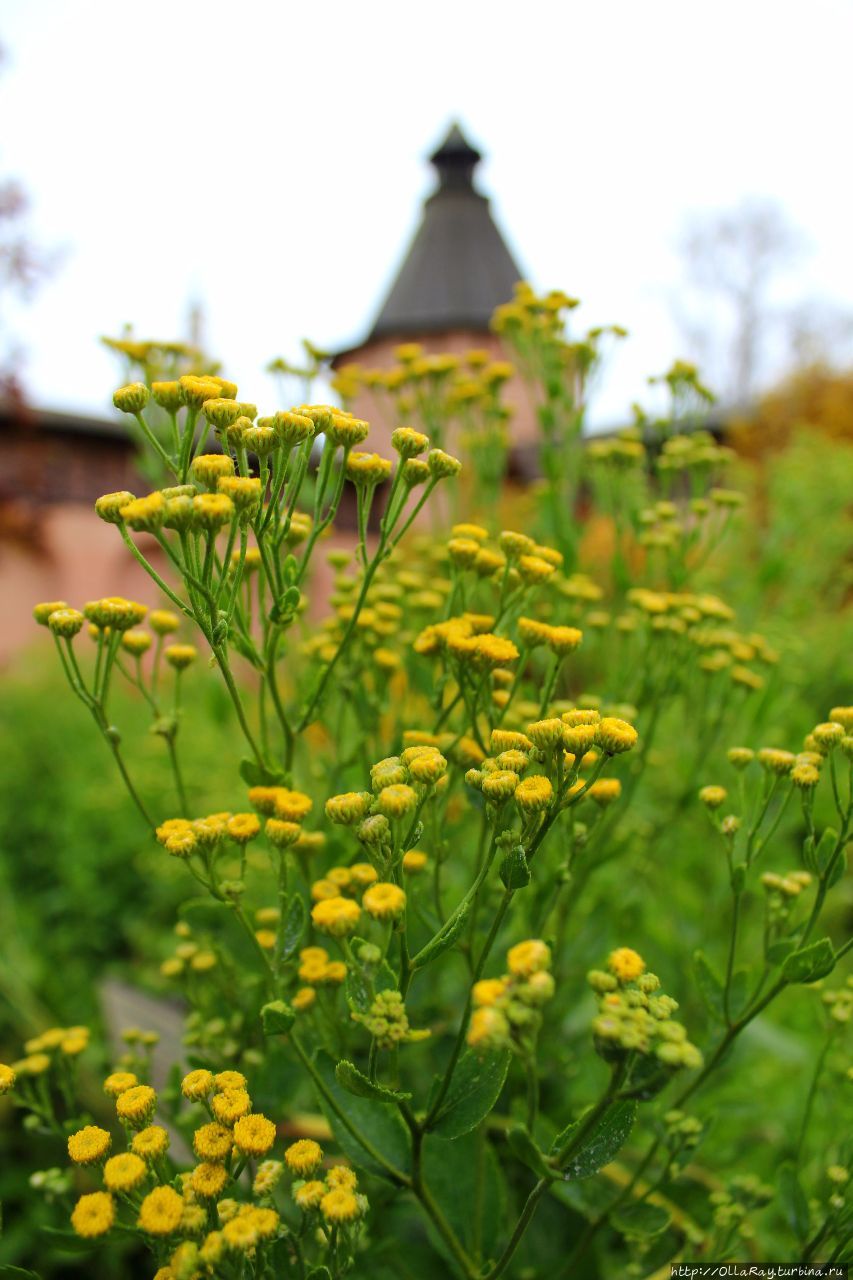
column 710, row 987
column 793, row 1200
column 379, row 1122
column 357, row 991
column 601, row 1144
column 525, row 1149
column 443, row 940
column 294, row 926
column 356, row 1082
column 641, row 1221
column 474, row 1090
column 810, row 963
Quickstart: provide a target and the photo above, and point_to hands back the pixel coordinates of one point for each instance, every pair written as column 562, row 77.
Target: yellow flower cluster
column 335, row 1198
column 635, row 1018
column 506, row 1010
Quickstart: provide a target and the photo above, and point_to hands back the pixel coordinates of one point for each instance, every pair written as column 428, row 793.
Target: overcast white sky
column 267, row 159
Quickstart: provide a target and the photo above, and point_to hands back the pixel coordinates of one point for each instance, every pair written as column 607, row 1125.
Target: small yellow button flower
column 304, row 1157
column 212, row 1142
column 229, row 1105
column 339, row 1206
column 161, row 1212
column 93, row 1215
column 230, row 1080
column 336, row 916
column 615, row 735
column 240, row 1234
column 119, row 1082
column 533, row 795
column 341, row 1177
column 150, row 1143
column 197, row 1085
column 208, row 1180
column 309, row 1195
column 487, row 991
column 89, row 1145
column 604, row 791
column 124, row 1172
column 625, row 964
column 292, row 806
column 304, row 998
column 384, row 901
column 135, row 1105
column 254, row 1135
column 528, row 957
column 242, row 827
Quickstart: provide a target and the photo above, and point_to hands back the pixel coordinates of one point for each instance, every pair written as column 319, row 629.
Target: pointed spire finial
column 455, row 159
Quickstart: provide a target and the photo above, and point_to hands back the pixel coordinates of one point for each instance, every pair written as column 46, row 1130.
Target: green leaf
column 525, row 1149
column 825, row 850
column 739, row 990
column 445, row 938
column 319, row 1273
column 837, row 870
column 290, row 570
column 379, row 1122
column 809, row 854
column 294, row 926
column 792, row 1199
column 356, row 1082
column 8, row 1270
column 514, row 871
column 810, row 963
column 357, row 990
column 641, row 1221
column 258, row 775
column 465, row 1180
column 474, row 1090
column 277, row 1018
column 710, row 987
column 781, row 949
column 601, row 1144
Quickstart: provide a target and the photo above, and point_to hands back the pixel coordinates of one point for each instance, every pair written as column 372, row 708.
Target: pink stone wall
column 79, row 558
column 373, row 406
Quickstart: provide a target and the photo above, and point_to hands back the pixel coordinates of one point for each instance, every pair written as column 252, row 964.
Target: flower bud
column 442, row 465
column 169, row 395
column 212, row 510
column 408, row 442
column 65, row 622
column 109, row 506
column 131, row 399
column 145, row 514
column 615, row 736
column 180, row 656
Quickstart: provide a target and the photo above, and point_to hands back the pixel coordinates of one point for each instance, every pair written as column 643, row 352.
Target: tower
column 456, row 271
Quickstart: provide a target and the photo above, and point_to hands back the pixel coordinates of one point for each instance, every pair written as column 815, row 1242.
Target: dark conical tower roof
column 458, row 268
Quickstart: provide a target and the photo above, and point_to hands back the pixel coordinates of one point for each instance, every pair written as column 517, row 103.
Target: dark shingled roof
column 458, row 268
